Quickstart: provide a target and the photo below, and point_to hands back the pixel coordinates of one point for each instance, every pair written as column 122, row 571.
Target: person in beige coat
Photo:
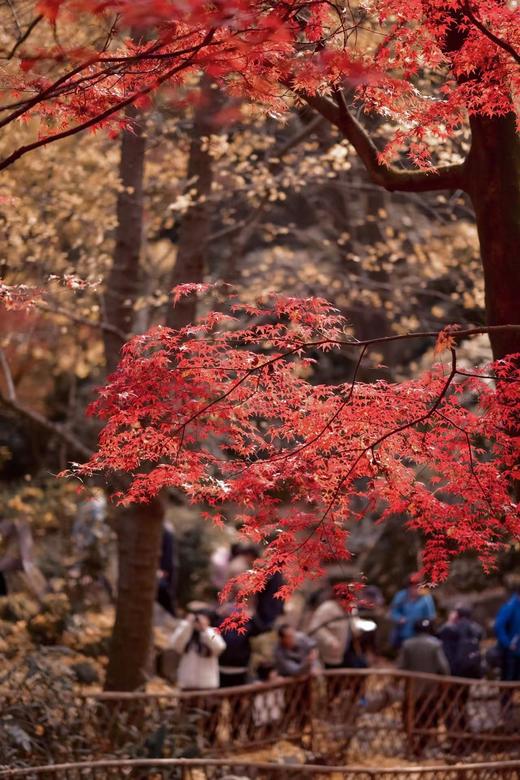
column 330, row 627
column 199, row 647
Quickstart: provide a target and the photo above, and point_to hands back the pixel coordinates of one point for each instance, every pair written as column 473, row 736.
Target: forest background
column 211, row 186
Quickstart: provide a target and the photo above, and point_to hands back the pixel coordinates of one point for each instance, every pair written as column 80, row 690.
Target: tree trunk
column 493, row 183
column 124, row 278
column 139, row 530
column 196, row 222
column 139, row 527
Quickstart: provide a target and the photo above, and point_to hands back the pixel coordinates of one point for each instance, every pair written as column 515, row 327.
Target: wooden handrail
column 260, row 687
column 307, row 769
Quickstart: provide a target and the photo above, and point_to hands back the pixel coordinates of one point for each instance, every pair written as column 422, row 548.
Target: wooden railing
column 340, row 717
column 342, row 713
column 212, row 769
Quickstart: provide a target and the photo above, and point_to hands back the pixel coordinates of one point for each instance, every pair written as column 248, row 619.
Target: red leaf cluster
column 224, row 411
column 468, row 49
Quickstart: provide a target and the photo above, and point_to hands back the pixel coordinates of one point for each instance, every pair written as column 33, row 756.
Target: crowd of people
column 333, row 637
column 329, row 638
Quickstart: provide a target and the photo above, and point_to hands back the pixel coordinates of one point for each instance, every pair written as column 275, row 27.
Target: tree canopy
column 76, row 65
column 224, row 411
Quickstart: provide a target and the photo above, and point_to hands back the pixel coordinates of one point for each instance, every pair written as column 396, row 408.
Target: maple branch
column 36, row 21
column 470, row 452
column 371, row 447
column 340, row 342
column 460, row 333
column 11, row 402
column 65, row 82
column 504, row 45
column 23, row 150
column 331, row 419
column 448, row 177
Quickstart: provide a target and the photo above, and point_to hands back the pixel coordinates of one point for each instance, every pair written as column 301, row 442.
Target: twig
column 11, row 390
column 15, row 16
column 405, row 426
column 23, row 38
column 470, row 453
column 461, row 333
column 101, row 325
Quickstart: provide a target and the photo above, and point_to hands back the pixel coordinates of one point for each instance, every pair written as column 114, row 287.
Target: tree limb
column 54, row 428
column 35, row 22
column 449, row 177
column 504, row 45
column 101, row 117
column 99, row 325
column 11, row 402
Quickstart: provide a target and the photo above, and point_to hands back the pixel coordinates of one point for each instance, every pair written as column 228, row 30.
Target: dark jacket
column 423, row 653
column 461, row 640
column 268, row 607
column 291, row 663
column 238, row 646
column 167, row 585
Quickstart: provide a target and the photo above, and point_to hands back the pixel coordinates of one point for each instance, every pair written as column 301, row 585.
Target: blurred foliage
column 47, row 503
column 193, row 544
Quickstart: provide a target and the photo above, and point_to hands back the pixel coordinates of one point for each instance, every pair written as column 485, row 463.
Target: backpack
column 468, row 657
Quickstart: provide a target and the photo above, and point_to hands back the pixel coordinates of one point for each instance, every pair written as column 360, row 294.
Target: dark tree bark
column 195, row 228
column 493, row 184
column 123, row 281
column 491, row 177
column 139, row 530
column 138, row 527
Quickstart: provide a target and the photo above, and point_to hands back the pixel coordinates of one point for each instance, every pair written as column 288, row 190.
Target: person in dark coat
column 234, row 661
column 268, row 606
column 461, row 637
column 167, row 584
column 295, row 654
column 422, row 705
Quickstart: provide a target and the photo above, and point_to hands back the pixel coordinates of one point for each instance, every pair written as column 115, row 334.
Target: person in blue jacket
column 507, row 630
column 409, row 607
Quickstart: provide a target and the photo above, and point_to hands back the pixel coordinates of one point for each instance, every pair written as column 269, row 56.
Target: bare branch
column 449, row 177
column 11, row 390
column 460, row 333
column 24, row 36
column 15, row 16
column 99, row 325
column 11, row 402
column 54, row 428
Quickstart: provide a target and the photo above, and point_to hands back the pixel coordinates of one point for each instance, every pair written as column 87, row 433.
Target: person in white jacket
column 330, row 628
column 199, row 646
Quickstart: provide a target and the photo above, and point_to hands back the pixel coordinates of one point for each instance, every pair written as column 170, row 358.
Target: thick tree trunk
column 493, row 183
column 124, row 278
column 195, row 229
column 139, row 527
column 139, row 530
